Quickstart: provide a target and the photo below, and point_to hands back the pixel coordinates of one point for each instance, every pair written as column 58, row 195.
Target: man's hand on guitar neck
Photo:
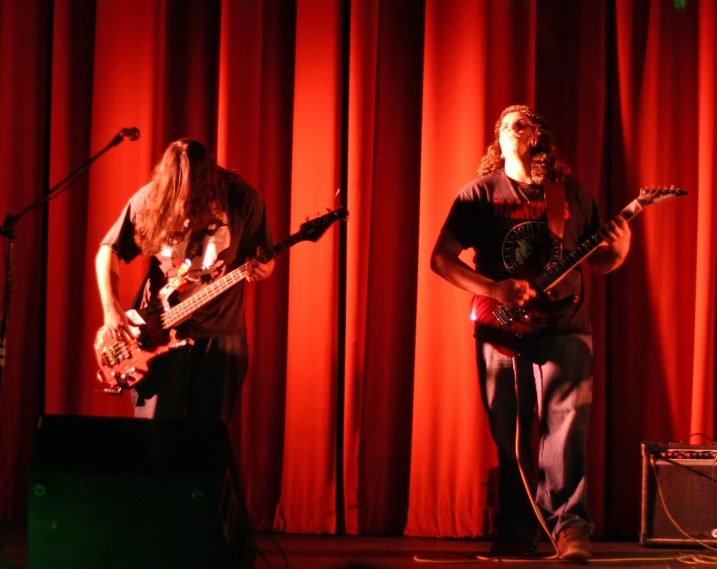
column 614, row 249
column 259, row 271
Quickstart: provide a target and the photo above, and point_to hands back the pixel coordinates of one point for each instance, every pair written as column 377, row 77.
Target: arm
column 107, row 269
column 257, row 236
column 445, row 261
column 614, row 249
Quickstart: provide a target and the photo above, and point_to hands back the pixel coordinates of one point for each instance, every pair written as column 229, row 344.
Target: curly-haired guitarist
column 534, row 350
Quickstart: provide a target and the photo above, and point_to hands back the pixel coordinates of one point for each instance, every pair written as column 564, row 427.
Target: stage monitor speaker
column 687, row 478
column 116, row 493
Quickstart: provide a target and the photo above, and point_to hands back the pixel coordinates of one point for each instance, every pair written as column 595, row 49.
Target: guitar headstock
column 658, row 194
column 313, row 229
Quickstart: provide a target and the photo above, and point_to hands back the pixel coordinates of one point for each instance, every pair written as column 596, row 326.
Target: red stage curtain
column 361, row 412
column 386, row 76
column 25, row 39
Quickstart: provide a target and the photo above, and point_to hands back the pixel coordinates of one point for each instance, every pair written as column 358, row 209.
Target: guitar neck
column 187, row 307
column 555, row 273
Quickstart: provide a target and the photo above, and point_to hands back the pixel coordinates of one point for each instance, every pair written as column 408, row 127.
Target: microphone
column 128, row 133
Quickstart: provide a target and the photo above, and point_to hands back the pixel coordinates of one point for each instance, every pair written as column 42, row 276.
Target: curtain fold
column 363, row 37
column 385, row 433
column 68, row 212
column 651, row 320
column 308, row 491
column 703, row 392
column 25, row 44
column 255, row 115
column 387, row 383
column 450, row 461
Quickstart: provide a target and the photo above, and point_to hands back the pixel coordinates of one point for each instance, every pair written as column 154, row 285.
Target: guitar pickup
column 115, row 354
column 506, row 315
column 111, row 359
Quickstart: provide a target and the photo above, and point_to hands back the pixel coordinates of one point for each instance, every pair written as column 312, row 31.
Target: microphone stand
column 8, row 230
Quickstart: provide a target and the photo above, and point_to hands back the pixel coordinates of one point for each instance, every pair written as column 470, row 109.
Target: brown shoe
column 574, row 544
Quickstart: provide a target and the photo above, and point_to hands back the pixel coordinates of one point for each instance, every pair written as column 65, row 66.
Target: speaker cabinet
column 118, row 493
column 679, row 488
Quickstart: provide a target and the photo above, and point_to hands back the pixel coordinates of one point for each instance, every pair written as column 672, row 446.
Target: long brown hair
column 188, row 191
column 545, row 163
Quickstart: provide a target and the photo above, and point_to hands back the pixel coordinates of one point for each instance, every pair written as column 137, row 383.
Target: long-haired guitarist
column 537, row 345
column 196, row 220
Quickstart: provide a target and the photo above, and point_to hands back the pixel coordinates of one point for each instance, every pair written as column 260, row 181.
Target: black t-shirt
column 505, row 223
column 224, row 245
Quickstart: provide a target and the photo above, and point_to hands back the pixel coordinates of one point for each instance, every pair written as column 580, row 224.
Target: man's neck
column 518, row 170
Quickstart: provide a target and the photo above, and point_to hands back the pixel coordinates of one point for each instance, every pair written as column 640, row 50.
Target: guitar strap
column 555, row 211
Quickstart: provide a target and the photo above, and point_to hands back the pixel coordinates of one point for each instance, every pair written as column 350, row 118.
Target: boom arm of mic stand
column 8, row 230
column 10, row 220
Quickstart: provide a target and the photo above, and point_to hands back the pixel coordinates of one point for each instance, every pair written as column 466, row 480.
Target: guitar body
column 124, row 364
column 509, row 328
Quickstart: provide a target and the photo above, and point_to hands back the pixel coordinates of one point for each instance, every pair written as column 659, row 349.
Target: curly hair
column 545, row 163
column 188, row 192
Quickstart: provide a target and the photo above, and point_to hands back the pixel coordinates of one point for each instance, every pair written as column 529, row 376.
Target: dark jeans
column 554, row 378
column 200, row 381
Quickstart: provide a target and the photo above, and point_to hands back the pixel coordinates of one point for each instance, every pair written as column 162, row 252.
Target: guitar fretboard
column 557, row 271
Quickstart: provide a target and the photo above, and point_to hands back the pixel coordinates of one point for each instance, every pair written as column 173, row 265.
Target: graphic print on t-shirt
column 526, row 249
column 205, row 265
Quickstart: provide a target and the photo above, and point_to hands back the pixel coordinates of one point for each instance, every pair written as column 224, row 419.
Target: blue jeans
column 554, row 386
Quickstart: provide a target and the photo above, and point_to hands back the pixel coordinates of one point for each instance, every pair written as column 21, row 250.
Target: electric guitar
column 123, row 364
column 510, row 328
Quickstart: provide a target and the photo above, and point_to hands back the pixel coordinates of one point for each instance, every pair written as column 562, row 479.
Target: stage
column 282, row 551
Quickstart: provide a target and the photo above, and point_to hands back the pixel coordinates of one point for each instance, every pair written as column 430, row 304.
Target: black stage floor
column 282, row 551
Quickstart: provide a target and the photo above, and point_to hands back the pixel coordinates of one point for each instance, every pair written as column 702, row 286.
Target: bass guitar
column 510, row 328
column 123, row 364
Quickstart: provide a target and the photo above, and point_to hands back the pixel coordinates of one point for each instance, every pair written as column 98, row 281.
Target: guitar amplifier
column 679, row 495
column 118, row 493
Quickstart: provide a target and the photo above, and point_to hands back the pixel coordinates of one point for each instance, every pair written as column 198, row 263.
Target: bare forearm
column 614, row 249
column 460, row 274
column 446, row 262
column 605, row 260
column 107, row 270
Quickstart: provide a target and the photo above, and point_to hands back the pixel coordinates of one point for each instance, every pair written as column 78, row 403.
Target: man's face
column 514, row 135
